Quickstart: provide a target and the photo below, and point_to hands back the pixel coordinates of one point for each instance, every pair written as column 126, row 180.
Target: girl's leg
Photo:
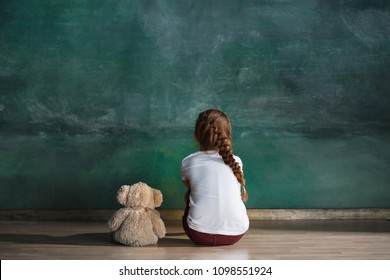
column 206, row 239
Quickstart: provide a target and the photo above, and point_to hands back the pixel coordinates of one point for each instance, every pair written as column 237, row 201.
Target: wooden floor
column 271, row 240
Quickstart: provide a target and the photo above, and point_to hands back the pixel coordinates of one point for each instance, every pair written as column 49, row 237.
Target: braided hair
column 213, row 132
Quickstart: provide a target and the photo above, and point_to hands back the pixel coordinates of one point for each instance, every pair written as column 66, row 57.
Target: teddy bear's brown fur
column 137, row 224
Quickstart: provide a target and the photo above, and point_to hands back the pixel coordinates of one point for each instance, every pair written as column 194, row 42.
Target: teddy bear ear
column 121, row 195
column 158, row 197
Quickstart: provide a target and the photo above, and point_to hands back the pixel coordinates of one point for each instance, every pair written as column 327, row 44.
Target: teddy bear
column 138, row 223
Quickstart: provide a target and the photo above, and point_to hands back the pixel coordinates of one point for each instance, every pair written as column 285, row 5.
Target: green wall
column 96, row 94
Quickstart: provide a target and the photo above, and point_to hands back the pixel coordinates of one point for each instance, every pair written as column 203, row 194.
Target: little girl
column 215, row 213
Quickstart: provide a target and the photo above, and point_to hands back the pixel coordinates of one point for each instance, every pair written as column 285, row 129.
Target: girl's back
column 215, row 204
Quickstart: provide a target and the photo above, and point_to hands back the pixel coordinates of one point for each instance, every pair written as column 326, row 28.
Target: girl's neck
column 209, row 151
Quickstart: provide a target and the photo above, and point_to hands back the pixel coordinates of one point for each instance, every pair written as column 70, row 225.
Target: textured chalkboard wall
column 96, row 94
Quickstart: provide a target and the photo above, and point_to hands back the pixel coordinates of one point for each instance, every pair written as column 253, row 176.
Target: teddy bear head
column 139, row 194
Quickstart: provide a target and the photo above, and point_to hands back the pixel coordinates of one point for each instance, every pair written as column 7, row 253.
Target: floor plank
column 291, row 239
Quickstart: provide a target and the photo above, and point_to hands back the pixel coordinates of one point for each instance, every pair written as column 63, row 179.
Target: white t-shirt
column 215, row 200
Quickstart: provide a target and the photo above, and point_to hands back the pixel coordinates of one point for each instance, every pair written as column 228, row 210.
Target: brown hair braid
column 213, row 132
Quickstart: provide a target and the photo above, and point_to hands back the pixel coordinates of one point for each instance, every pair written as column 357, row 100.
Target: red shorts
column 207, row 239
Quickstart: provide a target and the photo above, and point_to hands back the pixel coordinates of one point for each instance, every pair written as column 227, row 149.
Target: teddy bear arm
column 158, row 224
column 117, row 219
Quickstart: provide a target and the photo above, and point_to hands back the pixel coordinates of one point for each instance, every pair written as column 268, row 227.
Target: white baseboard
column 254, row 214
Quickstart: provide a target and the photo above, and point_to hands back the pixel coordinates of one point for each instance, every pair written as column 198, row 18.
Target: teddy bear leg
column 135, row 244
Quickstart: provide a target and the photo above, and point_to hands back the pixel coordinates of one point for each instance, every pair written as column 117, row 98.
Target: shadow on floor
column 322, row 225
column 89, row 239
column 86, row 239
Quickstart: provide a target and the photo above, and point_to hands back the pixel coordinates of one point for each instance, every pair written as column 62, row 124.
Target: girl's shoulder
column 238, row 159
column 191, row 155
column 188, row 158
column 207, row 154
column 200, row 154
